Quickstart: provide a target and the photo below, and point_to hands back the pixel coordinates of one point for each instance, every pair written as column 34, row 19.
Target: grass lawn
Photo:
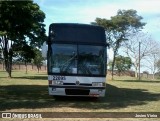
column 29, row 93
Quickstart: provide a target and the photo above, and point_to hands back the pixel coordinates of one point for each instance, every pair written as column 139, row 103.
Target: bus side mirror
column 44, row 50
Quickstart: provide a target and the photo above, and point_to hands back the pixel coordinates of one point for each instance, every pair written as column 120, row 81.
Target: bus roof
column 77, row 33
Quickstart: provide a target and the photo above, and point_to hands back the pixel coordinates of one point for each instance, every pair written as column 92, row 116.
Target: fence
column 30, row 67
column 132, row 74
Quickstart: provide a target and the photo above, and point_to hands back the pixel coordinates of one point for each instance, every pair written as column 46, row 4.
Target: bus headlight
column 98, row 84
column 57, row 82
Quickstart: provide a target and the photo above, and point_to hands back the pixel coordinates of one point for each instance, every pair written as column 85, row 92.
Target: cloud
column 78, row 11
column 147, row 6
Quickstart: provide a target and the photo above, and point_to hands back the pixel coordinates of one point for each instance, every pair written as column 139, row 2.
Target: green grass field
column 29, row 93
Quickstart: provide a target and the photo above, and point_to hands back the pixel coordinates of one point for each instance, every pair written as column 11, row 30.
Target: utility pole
column 139, row 60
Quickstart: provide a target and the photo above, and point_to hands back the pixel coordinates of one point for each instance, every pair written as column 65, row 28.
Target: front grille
column 81, row 84
column 76, row 92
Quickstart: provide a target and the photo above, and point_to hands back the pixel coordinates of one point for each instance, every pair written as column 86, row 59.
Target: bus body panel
column 77, row 86
column 77, row 33
column 76, row 60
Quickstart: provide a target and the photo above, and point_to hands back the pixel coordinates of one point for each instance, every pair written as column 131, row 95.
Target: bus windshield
column 77, row 59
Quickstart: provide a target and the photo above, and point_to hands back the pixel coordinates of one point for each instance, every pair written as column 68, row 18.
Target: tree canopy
column 121, row 63
column 38, row 59
column 20, row 22
column 119, row 27
column 158, row 65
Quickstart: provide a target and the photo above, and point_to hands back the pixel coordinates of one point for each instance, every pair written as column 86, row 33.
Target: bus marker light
column 50, row 82
column 100, row 91
column 94, row 95
column 53, row 89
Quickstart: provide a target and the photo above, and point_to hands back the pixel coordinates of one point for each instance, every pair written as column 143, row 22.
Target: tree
column 119, row 27
column 158, row 65
column 24, row 53
column 148, row 48
column 152, row 62
column 38, row 59
column 122, row 63
column 1, row 58
column 1, row 55
column 19, row 21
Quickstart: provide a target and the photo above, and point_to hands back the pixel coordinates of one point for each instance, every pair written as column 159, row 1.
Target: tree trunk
column 26, row 67
column 119, row 73
column 153, row 75
column 10, row 63
column 3, row 65
column 136, row 72
column 38, row 68
column 19, row 66
column 136, row 69
column 113, row 63
column 8, row 53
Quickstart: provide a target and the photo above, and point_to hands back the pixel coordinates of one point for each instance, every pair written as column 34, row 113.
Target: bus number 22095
column 59, row 78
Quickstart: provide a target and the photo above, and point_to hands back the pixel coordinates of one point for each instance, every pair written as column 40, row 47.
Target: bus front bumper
column 77, row 91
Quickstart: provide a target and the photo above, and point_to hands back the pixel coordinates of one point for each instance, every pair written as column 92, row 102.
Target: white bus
column 76, row 60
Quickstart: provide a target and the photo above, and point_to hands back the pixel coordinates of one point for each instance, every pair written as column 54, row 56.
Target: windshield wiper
column 67, row 64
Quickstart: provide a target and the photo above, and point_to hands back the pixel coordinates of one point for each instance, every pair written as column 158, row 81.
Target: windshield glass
column 91, row 60
column 77, row 59
column 63, row 58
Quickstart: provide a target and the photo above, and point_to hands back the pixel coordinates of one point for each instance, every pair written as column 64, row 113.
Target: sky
column 86, row 11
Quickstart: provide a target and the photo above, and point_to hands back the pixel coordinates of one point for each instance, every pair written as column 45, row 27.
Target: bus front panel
column 76, row 86
column 77, row 70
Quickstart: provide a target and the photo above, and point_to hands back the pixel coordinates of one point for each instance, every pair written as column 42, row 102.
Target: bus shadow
column 36, row 97
column 33, row 77
column 144, row 81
